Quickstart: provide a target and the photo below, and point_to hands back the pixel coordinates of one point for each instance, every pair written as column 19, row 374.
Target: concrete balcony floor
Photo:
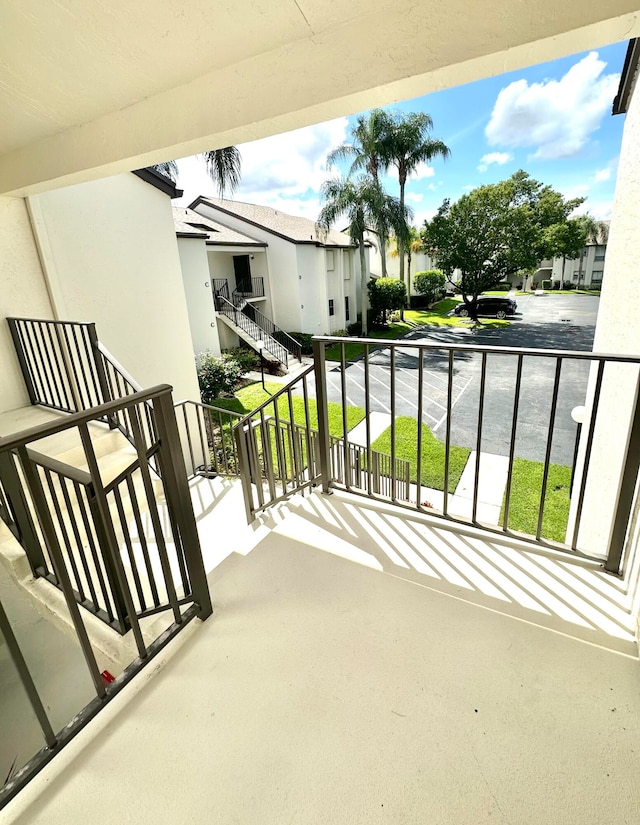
column 366, row 666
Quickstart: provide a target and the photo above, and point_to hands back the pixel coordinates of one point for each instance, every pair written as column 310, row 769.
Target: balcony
column 370, row 658
column 363, row 666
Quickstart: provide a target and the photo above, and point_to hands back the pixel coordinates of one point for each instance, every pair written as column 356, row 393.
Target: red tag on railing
column 107, row 678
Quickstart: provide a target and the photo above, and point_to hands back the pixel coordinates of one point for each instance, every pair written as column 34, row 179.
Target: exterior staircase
column 253, row 326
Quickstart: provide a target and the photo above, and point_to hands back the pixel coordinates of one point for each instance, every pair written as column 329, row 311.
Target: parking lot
column 565, row 322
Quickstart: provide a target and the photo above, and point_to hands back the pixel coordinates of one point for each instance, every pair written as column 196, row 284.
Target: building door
column 242, row 272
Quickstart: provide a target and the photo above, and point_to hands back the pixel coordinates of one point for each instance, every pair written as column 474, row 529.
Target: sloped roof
column 190, row 224
column 160, row 181
column 290, row 227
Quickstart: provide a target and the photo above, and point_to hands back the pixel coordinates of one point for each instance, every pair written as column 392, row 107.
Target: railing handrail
column 231, row 413
column 10, row 442
column 285, row 388
column 272, row 345
column 583, row 355
column 118, row 366
column 295, row 345
column 50, row 321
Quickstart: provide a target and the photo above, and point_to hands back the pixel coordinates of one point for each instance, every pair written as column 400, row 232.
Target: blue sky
column 553, row 120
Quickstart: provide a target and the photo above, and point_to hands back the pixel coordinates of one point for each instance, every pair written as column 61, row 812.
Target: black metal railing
column 279, row 335
column 108, row 546
column 480, row 436
column 207, row 432
column 220, row 286
column 94, row 524
column 277, row 446
column 246, row 323
column 58, row 362
column 251, row 288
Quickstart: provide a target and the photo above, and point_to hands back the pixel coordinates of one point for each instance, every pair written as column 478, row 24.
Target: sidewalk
column 491, row 481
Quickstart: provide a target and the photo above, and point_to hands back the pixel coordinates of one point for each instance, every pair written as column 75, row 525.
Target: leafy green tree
column 386, row 294
column 494, row 231
column 430, row 283
column 406, row 144
column 565, row 240
column 367, row 153
column 362, row 202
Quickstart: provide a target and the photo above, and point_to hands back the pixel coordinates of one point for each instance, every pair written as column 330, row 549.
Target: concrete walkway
column 491, row 482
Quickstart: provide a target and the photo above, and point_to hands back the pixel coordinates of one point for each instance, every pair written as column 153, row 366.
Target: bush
column 217, row 375
column 304, row 339
column 430, row 284
column 418, row 302
column 506, row 285
column 546, row 284
column 556, row 284
column 386, row 294
column 355, row 329
column 568, row 285
column 247, row 359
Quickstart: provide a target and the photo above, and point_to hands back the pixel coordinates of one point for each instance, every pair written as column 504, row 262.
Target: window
column 600, row 251
column 575, row 274
column 330, row 260
column 346, row 307
column 596, row 276
column 331, row 309
column 347, row 258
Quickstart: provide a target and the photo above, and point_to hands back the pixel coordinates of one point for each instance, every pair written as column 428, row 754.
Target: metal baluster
column 512, row 444
column 547, row 456
column 476, row 475
column 419, row 445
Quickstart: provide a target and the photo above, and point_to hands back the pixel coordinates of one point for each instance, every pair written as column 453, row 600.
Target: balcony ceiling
column 92, row 89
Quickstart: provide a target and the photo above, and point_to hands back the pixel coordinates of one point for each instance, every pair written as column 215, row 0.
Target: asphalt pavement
column 563, row 322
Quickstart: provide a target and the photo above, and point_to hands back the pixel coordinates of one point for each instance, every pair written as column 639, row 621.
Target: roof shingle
column 290, row 227
column 190, row 224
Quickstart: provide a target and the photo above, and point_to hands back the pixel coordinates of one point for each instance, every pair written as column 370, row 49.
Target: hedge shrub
column 430, row 283
column 546, row 284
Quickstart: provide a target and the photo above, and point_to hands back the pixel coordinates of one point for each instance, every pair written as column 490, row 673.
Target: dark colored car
column 489, row 305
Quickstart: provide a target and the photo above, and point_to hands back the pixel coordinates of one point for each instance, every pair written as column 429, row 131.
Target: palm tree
column 412, row 247
column 223, row 166
column 169, row 169
column 367, row 151
column 407, row 144
column 364, row 203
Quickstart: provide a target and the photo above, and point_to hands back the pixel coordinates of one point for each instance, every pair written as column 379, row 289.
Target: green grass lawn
column 248, row 398
column 439, row 316
column 526, row 487
column 433, row 453
column 352, row 351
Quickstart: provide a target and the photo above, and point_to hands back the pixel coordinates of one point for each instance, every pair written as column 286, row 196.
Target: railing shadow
column 567, row 596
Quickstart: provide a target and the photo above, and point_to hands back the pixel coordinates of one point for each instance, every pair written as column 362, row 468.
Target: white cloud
column 601, row 210
column 499, row 158
column 424, row 215
column 284, row 171
column 414, row 197
column 554, row 116
column 422, row 170
column 602, row 175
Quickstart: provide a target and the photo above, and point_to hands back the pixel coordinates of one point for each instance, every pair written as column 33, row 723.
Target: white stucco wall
column 280, row 269
column 112, row 258
column 617, row 331
column 23, row 293
column 197, row 289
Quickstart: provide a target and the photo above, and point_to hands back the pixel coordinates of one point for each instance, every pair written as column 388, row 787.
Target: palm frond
column 169, row 169
column 224, row 168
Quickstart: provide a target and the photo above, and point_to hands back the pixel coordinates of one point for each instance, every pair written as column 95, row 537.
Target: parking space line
column 453, row 403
